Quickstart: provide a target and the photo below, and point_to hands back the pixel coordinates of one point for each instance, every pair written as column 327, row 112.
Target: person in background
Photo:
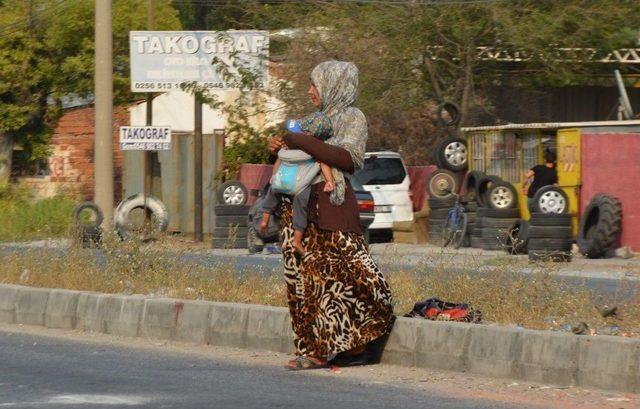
column 540, row 176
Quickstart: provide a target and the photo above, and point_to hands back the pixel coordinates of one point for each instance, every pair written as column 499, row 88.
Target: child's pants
column 300, row 206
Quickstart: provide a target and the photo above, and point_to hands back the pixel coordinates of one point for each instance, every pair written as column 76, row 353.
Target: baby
column 319, row 126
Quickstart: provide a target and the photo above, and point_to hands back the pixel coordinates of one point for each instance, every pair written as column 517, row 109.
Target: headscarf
column 337, row 85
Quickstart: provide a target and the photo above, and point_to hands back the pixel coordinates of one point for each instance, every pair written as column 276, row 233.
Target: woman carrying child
column 340, row 303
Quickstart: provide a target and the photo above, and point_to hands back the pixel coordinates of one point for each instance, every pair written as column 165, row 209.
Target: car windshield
column 381, row 171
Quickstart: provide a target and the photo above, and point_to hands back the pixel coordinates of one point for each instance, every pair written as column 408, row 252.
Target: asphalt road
column 40, row 372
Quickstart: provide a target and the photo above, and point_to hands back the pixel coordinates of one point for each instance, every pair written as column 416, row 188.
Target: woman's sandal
column 304, row 362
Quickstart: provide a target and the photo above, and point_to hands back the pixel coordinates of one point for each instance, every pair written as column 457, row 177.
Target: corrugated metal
column 177, row 171
column 551, row 125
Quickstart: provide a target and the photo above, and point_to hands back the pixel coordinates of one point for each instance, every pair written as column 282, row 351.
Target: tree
column 47, row 53
column 416, row 54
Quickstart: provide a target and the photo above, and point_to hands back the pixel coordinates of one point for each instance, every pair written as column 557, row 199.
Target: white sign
column 145, row 138
column 162, row 60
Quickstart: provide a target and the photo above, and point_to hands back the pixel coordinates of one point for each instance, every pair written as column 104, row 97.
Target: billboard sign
column 145, row 138
column 162, row 60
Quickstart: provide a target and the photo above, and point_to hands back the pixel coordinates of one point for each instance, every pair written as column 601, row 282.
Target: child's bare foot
column 298, row 247
column 264, row 223
column 328, row 187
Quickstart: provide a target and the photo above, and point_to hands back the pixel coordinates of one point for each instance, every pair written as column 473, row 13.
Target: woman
column 338, row 299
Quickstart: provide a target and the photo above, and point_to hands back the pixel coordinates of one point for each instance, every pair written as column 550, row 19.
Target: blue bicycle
column 455, row 226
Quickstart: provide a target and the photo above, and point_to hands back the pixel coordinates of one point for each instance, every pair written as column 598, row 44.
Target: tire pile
column 231, row 217
column 497, row 210
column 450, row 156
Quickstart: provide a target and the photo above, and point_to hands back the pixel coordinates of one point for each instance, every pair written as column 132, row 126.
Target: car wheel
column 453, row 154
column 502, row 195
column 442, row 184
column 551, row 199
column 232, row 193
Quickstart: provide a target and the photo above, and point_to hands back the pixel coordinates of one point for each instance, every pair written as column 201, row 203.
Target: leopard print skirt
column 338, row 299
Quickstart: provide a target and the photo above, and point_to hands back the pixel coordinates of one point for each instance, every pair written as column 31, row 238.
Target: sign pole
column 147, row 155
column 197, row 178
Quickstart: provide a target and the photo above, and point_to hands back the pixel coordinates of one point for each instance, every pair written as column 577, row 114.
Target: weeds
column 538, row 300
column 23, row 218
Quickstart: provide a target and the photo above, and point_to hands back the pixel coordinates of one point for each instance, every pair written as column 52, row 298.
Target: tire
column 230, row 231
column 550, row 232
column 453, row 154
column 550, row 219
column 549, row 256
column 476, row 242
column 502, row 195
column 550, row 199
column 435, row 203
column 470, row 184
column 471, row 227
column 160, row 214
column 226, row 221
column 253, row 242
column 453, row 111
column 442, row 184
column 499, row 223
column 483, row 187
column 231, row 210
column 491, row 244
column 471, row 218
column 226, row 243
column 439, row 213
column 494, row 233
column 517, row 237
column 550, row 244
column 95, row 210
column 600, row 225
column 88, row 237
column 471, row 207
column 498, row 213
column 232, row 193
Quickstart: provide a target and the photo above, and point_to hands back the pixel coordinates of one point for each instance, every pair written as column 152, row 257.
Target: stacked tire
column 438, row 212
column 496, row 225
column 550, row 237
column 497, row 212
column 231, row 217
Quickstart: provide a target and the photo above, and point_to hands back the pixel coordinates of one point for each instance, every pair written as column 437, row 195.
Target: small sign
column 145, row 138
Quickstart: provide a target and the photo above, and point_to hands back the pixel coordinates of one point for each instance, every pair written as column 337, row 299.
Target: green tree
column 47, row 53
column 415, row 54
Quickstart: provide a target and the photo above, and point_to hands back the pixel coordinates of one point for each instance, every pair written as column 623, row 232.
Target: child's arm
column 328, row 177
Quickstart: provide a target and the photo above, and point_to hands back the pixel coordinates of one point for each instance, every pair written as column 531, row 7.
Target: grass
column 23, row 218
column 537, row 301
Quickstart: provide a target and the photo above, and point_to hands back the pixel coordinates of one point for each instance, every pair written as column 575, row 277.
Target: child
column 319, row 126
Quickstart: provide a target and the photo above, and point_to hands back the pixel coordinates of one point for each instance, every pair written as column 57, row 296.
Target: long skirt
column 338, row 299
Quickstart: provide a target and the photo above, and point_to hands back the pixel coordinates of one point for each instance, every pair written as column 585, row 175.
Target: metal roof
column 552, row 125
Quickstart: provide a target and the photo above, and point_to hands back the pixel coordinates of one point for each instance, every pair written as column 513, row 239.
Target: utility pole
column 197, row 177
column 148, row 155
column 103, row 142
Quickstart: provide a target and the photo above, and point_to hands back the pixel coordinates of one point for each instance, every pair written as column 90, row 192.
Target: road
column 41, row 370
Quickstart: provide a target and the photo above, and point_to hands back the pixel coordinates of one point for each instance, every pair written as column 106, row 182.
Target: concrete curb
column 605, row 362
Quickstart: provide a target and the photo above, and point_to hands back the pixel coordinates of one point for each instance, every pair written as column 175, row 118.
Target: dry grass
column 537, row 301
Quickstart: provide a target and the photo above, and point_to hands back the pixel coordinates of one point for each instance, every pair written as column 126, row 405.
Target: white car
column 385, row 176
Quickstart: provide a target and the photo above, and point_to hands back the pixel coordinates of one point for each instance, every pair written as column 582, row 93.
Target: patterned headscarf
column 337, row 85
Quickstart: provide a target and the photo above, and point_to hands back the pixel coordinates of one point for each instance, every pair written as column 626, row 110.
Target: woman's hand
column 275, row 144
